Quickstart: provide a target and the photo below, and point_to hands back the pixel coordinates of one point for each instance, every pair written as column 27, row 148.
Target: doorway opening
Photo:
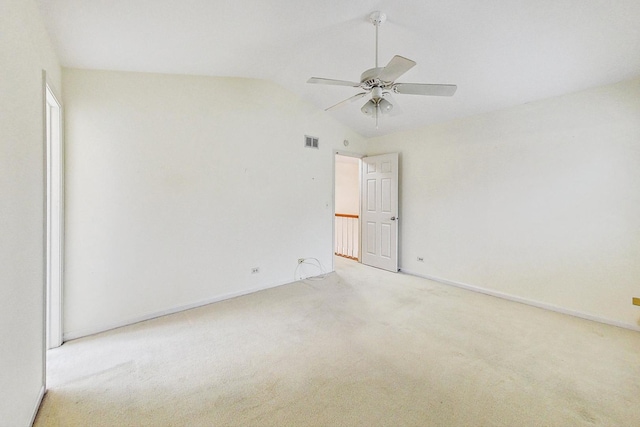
column 347, row 206
column 366, row 209
column 54, row 185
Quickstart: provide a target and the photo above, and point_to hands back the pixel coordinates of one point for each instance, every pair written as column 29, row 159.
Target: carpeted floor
column 362, row 347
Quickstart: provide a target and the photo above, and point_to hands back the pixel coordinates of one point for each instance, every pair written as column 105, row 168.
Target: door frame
column 53, row 339
column 359, row 156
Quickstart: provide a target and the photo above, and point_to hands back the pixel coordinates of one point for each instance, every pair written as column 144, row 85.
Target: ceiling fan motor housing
column 369, row 79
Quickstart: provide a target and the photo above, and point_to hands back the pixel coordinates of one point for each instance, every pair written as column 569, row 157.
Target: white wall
column 177, row 186
column 24, row 52
column 347, row 197
column 540, row 201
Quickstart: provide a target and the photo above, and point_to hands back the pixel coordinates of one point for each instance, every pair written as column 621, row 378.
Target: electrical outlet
column 300, row 260
column 420, row 259
column 255, row 270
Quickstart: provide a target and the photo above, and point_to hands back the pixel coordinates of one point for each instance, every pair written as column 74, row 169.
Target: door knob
column 393, row 218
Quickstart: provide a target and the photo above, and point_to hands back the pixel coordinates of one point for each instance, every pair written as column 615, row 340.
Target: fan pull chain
column 377, row 116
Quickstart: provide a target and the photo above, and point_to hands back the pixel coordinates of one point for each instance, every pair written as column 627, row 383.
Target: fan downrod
column 377, row 18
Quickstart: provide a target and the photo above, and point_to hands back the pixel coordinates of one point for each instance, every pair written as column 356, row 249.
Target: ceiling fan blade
column 319, row 80
column 424, row 89
column 347, row 101
column 395, row 68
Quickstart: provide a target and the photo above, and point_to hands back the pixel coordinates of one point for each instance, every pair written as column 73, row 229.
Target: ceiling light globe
column 385, row 106
column 369, row 108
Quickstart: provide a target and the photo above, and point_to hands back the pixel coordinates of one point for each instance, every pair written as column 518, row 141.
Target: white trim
column 37, row 407
column 526, row 301
column 348, row 154
column 96, row 330
column 49, row 90
column 45, row 246
column 52, row 102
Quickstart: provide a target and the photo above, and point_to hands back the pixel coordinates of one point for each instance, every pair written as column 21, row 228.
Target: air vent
column 310, row 141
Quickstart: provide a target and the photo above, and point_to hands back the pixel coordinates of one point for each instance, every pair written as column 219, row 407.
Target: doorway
column 366, row 209
column 54, row 185
column 347, row 206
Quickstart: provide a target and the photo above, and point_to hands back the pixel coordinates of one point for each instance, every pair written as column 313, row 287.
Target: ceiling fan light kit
column 379, row 82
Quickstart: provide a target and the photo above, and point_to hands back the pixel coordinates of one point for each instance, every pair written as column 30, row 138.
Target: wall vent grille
column 311, row 141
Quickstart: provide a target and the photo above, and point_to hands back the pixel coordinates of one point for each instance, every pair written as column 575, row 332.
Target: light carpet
column 363, row 347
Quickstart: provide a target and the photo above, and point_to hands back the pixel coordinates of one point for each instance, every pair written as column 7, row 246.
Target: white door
column 380, row 211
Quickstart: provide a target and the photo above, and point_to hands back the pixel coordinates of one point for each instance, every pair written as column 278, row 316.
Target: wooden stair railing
column 347, row 228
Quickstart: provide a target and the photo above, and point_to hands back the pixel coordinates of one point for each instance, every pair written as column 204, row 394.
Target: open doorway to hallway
column 366, row 209
column 347, row 207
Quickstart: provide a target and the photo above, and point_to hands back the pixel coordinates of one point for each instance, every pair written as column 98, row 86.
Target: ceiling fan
column 380, row 82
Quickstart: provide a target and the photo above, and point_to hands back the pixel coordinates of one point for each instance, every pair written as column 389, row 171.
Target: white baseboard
column 96, row 330
column 521, row 300
column 37, row 407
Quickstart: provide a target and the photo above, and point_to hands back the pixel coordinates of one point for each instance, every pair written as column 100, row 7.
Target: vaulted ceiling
column 500, row 53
